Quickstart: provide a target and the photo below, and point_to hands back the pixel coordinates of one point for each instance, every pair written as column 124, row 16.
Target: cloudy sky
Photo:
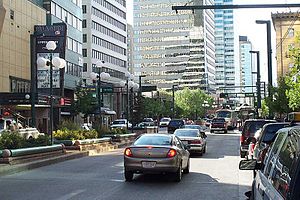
column 244, row 22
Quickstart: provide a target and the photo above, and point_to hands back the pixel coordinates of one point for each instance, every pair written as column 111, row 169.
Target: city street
column 213, row 176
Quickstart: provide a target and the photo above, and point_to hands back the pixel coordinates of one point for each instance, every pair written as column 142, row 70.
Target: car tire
column 204, row 150
column 178, row 174
column 211, row 131
column 225, row 131
column 187, row 169
column 128, row 176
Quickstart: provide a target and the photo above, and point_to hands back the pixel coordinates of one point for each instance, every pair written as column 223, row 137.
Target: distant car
column 218, row 124
column 148, row 122
column 175, row 124
column 120, row 123
column 249, row 128
column 164, row 121
column 156, row 153
column 193, row 138
column 193, row 126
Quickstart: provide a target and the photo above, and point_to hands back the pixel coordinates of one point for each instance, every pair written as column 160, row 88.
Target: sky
column 244, row 23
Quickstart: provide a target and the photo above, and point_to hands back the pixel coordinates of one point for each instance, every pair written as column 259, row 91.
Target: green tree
column 85, row 102
column 279, row 103
column 292, row 79
column 191, row 102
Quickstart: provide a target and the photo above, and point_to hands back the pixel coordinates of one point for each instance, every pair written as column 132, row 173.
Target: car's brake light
column 242, row 139
column 195, row 142
column 171, row 153
column 128, row 152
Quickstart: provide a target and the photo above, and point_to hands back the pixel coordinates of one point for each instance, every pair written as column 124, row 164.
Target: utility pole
column 258, row 80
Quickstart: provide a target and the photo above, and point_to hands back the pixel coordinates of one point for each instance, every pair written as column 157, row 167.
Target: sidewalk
column 7, row 169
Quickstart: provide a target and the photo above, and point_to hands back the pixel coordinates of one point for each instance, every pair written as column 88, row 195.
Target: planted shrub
column 11, row 140
column 66, row 134
column 70, row 125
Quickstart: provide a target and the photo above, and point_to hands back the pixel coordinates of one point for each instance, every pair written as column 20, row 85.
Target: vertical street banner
column 45, row 33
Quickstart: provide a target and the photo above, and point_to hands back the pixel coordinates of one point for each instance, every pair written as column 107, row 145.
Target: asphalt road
column 213, row 176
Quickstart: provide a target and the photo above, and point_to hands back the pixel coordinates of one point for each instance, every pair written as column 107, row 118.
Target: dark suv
column 249, row 128
column 265, row 137
column 175, row 124
column 278, row 175
column 218, row 124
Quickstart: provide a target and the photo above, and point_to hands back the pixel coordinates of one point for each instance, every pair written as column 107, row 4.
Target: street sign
column 149, row 88
column 249, row 94
column 107, row 90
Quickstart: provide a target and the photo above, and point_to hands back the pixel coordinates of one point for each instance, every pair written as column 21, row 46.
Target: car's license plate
column 147, row 164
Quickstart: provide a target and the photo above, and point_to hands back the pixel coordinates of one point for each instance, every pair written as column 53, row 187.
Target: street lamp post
column 53, row 62
column 258, row 80
column 99, row 76
column 130, row 85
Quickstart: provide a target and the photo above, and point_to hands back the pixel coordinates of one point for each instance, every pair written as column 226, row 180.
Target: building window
column 84, row 38
column 291, row 32
column 84, row 67
column 84, row 52
column 83, row 9
column 12, row 14
column 84, row 23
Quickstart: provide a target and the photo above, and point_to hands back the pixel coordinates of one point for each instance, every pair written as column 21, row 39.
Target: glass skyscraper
column 224, row 35
column 174, row 48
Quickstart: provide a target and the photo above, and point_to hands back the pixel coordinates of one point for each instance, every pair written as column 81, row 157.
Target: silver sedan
column 194, row 138
column 156, row 153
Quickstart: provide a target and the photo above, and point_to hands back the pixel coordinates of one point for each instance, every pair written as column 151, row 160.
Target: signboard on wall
column 45, row 33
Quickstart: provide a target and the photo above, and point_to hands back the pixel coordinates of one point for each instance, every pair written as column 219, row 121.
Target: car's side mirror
column 249, row 165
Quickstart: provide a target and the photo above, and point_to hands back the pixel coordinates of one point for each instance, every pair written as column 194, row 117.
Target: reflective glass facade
column 224, row 35
column 173, row 49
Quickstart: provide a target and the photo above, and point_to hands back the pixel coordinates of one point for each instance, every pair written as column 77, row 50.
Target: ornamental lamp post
column 52, row 62
column 98, row 77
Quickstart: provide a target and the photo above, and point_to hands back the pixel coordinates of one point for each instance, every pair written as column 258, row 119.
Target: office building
column 174, row 48
column 224, row 44
column 286, row 25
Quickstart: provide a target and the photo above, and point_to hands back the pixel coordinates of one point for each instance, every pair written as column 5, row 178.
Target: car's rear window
column 218, row 120
column 154, row 140
column 187, row 133
column 251, row 127
column 175, row 123
column 270, row 132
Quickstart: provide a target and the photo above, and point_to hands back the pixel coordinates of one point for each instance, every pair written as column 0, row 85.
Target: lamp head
column 122, row 83
column 51, row 46
column 41, row 62
column 93, row 76
column 100, row 63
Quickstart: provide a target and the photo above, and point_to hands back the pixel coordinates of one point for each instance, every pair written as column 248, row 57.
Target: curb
column 6, row 169
column 11, row 169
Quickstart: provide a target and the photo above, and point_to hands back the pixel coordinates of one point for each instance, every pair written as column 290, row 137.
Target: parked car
column 249, row 128
column 263, row 138
column 218, row 124
column 175, row 124
column 148, row 122
column 164, row 121
column 278, row 176
column 193, row 138
column 120, row 123
column 156, row 153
